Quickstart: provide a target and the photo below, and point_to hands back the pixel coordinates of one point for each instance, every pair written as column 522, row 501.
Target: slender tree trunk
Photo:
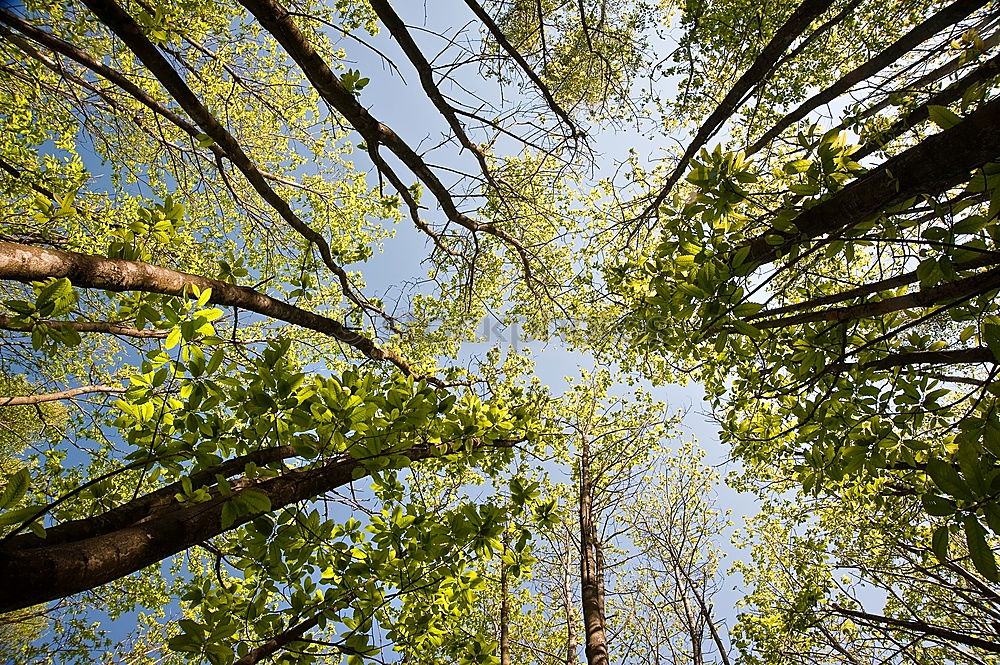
column 504, row 613
column 570, row 607
column 596, row 643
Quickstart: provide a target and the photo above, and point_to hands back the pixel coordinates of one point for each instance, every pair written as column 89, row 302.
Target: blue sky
column 405, row 108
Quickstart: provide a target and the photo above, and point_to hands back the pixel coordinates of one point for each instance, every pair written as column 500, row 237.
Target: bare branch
column 758, row 72
column 60, row 395
column 948, row 16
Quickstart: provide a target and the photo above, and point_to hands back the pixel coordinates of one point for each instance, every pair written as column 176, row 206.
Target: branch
column 952, row 93
column 758, row 72
column 10, row 323
column 282, row 639
column 934, row 75
column 505, row 44
column 276, row 20
column 121, row 24
column 398, row 30
column 960, row 288
column 980, row 355
column 868, row 289
column 950, row 15
column 938, row 162
column 56, row 396
column 138, row 509
column 921, row 627
column 25, row 263
column 44, row 572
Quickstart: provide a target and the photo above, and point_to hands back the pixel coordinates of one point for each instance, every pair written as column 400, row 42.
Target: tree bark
column 932, row 166
column 56, row 396
column 596, row 642
column 36, row 572
column 27, row 263
column 961, row 288
column 570, row 607
column 975, row 356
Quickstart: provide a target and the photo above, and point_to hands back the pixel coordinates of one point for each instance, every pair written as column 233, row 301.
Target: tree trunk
column 27, row 263
column 504, row 613
column 591, row 582
column 35, row 571
column 570, row 608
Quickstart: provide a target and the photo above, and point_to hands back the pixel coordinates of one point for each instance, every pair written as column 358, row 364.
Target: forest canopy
column 253, row 254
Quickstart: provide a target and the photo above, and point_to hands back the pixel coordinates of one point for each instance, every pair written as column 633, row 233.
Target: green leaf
column 939, row 543
column 15, row 489
column 230, row 511
column 947, row 479
column 979, row 549
column 173, row 338
column 943, row 117
column 256, row 501
column 937, row 505
column 745, row 328
column 798, row 166
column 19, row 515
column 216, row 361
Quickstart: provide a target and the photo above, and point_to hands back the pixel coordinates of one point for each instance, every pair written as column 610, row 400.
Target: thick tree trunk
column 591, row 582
column 35, row 570
column 938, row 162
column 27, row 263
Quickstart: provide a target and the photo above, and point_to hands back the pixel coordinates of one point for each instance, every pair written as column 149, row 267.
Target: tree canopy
column 252, row 253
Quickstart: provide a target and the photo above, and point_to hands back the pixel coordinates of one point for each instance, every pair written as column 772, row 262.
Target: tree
column 193, row 190
column 220, row 440
column 851, row 306
column 627, row 570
